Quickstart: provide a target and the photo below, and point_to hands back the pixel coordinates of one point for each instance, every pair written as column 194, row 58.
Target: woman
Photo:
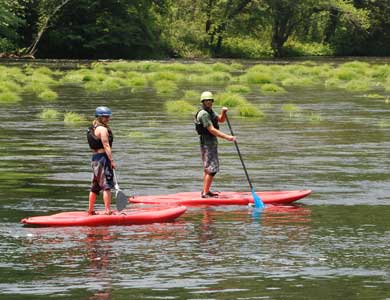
column 100, row 139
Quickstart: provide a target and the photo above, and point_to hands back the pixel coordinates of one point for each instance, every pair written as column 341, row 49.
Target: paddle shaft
column 239, row 154
column 116, row 180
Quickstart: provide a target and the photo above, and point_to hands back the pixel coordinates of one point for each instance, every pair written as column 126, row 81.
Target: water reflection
column 99, row 249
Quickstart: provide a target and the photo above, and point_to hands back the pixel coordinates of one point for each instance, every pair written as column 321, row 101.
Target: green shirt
column 205, row 119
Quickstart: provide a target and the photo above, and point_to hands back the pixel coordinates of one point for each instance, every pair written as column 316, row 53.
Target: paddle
column 121, row 198
column 256, row 199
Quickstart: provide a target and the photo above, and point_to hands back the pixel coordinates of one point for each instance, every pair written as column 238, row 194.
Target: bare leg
column 207, row 181
column 107, row 201
column 92, row 199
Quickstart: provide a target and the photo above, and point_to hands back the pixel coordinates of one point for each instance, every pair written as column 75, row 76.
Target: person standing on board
column 206, row 122
column 100, row 140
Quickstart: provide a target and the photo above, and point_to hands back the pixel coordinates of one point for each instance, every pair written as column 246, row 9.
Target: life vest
column 94, row 142
column 200, row 129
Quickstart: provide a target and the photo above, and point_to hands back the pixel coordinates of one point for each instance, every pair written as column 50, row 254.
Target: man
column 206, row 121
column 100, row 139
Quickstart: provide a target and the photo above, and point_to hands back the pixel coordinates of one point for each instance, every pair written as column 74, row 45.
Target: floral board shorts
column 102, row 177
column 210, row 159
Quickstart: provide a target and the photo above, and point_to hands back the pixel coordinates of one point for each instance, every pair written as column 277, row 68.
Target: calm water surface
column 333, row 245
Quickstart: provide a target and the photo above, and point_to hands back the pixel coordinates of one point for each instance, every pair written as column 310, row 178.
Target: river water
column 334, row 244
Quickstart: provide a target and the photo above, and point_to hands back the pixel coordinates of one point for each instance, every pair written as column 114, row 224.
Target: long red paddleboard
column 224, row 198
column 133, row 216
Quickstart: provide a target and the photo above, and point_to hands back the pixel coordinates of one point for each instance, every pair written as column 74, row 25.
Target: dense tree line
column 194, row 28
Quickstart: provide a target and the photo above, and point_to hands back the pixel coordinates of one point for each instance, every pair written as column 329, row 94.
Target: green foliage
column 359, row 85
column 270, row 88
column 242, row 47
column 165, row 87
column 48, row 95
column 191, row 96
column 238, row 88
column 73, row 118
column 9, row 97
column 229, row 99
column 290, row 108
column 249, row 110
column 159, row 29
column 254, row 77
column 295, row 48
column 179, row 106
column 49, row 114
column 10, row 21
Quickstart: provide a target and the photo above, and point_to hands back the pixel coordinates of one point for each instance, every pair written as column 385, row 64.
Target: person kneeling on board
column 100, row 139
column 206, row 124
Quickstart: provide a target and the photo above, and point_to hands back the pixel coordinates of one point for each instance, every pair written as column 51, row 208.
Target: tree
column 10, row 20
column 105, row 29
column 220, row 15
column 287, row 16
column 47, row 10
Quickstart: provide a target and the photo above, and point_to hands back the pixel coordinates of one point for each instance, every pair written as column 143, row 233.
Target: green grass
column 49, row 114
column 217, row 77
column 35, row 87
column 271, row 88
column 229, row 99
column 291, row 109
column 374, row 96
column 165, row 87
column 192, row 96
column 136, row 135
column 384, row 123
column 238, row 88
column 138, row 81
column 296, row 81
column 249, row 110
column 315, row 117
column 179, row 106
column 257, row 77
column 357, row 86
column 9, row 98
column 221, row 67
column 48, row 95
column 166, row 75
column 10, row 86
column 73, row 118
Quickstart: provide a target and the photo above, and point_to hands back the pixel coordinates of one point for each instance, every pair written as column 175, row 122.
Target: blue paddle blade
column 257, row 200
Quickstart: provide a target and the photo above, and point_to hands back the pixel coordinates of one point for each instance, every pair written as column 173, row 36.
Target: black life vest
column 200, row 129
column 94, row 142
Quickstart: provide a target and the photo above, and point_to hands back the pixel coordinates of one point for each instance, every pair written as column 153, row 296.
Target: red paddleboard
column 133, row 216
column 224, row 198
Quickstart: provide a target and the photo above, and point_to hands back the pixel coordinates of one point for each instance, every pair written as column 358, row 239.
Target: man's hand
column 231, row 138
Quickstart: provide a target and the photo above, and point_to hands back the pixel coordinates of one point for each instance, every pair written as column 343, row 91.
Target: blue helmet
column 103, row 111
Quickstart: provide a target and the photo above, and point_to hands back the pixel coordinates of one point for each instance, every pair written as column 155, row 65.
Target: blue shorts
column 103, row 175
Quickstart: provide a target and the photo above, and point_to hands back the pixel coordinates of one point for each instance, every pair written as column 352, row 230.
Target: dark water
column 333, row 245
